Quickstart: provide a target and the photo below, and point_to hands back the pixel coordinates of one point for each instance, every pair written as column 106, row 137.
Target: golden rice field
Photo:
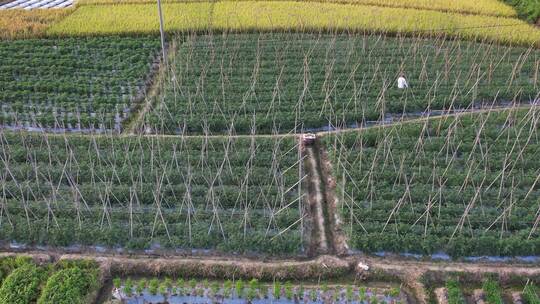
column 25, row 24
column 286, row 15
column 133, row 19
column 479, row 7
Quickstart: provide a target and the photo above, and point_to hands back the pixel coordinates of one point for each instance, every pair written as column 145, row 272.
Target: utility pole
column 162, row 32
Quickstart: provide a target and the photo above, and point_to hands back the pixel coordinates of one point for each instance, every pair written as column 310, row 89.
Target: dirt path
column 409, row 266
column 316, row 200
column 131, row 126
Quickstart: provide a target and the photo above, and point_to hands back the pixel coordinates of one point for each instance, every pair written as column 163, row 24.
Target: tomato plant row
column 67, row 83
column 466, row 185
column 267, row 82
column 230, row 194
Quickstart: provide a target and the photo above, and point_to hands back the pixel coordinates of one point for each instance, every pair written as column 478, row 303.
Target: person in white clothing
column 402, row 82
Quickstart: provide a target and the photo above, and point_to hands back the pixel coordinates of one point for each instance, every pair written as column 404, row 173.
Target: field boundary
column 149, row 98
column 376, row 124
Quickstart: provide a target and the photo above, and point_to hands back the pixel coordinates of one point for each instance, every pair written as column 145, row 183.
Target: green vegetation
column 69, row 286
column 8, row 264
column 530, row 294
column 253, row 289
column 220, row 193
column 263, row 83
column 68, row 83
column 442, row 184
column 23, row 285
column 455, row 296
column 527, row 9
column 65, row 282
column 492, row 292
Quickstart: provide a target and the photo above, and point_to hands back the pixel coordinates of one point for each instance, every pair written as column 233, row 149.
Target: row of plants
column 455, row 296
column 281, row 82
column 252, row 290
column 138, row 192
column 441, row 184
column 530, row 294
column 292, row 15
column 65, row 282
column 47, row 82
column 492, row 292
column 461, row 290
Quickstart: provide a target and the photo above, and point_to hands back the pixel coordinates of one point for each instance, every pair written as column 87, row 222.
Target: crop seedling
column 277, row 290
column 153, row 286
column 141, row 285
column 128, row 287
column 288, row 290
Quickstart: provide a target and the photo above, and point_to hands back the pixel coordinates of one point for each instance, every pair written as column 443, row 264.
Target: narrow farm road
column 326, row 236
column 315, row 202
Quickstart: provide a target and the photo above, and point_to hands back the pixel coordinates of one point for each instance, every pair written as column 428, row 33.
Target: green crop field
column 203, row 153
column 282, row 82
column 234, row 195
column 466, row 185
column 89, row 83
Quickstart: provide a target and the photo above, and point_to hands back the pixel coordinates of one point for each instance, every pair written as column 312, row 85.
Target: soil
column 516, row 297
column 478, row 296
column 319, row 241
column 441, row 295
column 339, row 239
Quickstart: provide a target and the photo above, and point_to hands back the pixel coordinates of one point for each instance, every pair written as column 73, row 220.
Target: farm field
column 154, row 290
column 230, row 195
column 290, row 15
column 466, row 185
column 492, row 288
column 21, row 24
column 482, row 7
column 277, row 82
column 83, row 84
column 270, row 152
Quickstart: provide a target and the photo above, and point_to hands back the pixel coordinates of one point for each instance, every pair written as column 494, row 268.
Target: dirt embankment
column 321, row 267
